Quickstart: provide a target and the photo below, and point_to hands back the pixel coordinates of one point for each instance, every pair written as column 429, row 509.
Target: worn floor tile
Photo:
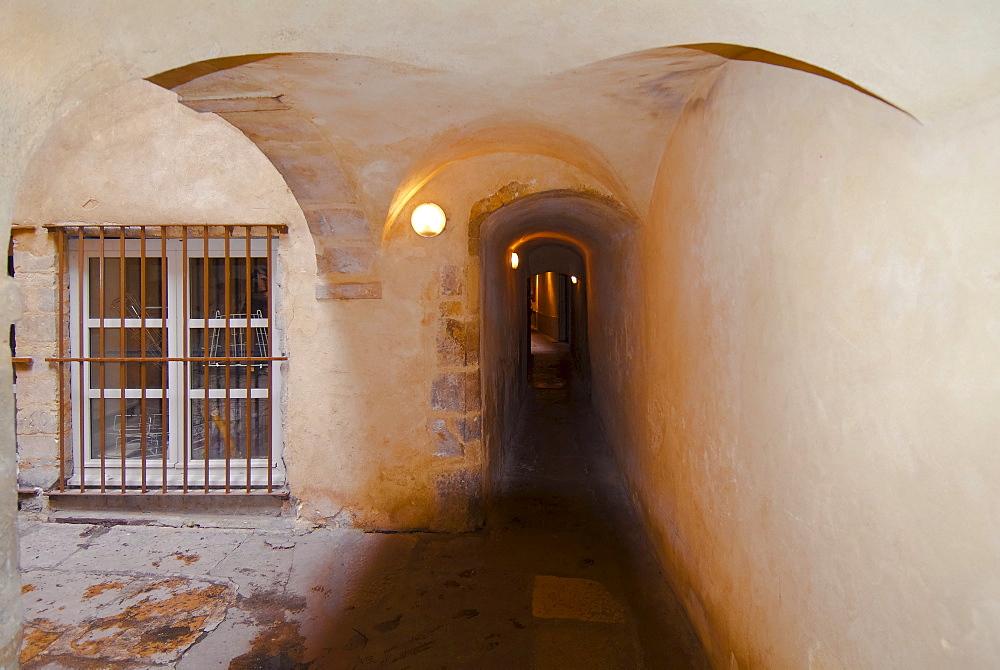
column 157, row 550
column 574, row 598
column 58, row 542
column 258, row 563
column 139, row 621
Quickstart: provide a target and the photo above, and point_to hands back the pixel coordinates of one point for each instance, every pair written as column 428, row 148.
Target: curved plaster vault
column 393, row 127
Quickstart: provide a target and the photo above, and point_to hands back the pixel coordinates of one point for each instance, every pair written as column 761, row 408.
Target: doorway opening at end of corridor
column 552, row 307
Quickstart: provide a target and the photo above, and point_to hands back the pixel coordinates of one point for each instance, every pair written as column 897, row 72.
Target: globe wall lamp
column 428, row 219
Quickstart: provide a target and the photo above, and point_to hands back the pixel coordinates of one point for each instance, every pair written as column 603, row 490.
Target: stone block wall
column 455, row 417
column 346, row 250
column 37, row 335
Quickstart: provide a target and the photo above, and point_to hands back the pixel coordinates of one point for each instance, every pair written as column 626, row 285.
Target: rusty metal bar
column 278, row 227
column 248, row 343
column 100, row 366
column 61, row 327
column 84, row 346
column 168, row 359
column 122, row 367
column 142, row 339
column 205, row 343
column 164, row 372
column 270, row 368
column 228, row 313
column 185, row 367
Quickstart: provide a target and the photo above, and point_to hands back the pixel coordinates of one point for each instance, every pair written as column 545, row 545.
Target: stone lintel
column 337, row 222
column 345, row 260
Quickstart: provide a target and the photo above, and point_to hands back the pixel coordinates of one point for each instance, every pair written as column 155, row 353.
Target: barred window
column 168, row 362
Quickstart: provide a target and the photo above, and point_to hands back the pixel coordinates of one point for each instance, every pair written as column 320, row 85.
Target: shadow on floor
column 561, row 577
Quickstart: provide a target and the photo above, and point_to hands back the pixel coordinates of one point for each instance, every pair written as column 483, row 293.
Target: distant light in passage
column 428, row 219
column 573, row 279
column 514, row 260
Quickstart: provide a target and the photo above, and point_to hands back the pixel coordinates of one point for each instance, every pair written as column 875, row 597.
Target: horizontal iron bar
column 190, row 359
column 155, row 393
column 150, row 323
column 280, row 227
column 212, row 493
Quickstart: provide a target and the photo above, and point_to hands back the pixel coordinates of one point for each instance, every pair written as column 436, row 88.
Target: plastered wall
column 376, row 403
column 807, row 412
column 129, row 156
column 547, row 306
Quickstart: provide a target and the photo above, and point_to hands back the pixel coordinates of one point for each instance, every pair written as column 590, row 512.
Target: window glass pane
column 143, row 428
column 238, row 370
column 134, row 340
column 219, row 433
column 214, row 274
column 136, row 291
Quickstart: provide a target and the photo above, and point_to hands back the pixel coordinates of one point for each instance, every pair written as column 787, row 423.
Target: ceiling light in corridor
column 514, row 260
column 428, row 219
column 573, row 279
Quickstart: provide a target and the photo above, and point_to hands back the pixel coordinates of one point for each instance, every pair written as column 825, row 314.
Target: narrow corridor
column 550, row 366
column 563, row 503
column 560, row 578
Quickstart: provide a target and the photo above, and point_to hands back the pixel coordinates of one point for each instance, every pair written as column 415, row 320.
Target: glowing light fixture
column 573, row 279
column 514, row 260
column 428, row 219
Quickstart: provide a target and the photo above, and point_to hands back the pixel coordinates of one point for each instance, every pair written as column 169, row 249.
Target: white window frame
column 176, row 260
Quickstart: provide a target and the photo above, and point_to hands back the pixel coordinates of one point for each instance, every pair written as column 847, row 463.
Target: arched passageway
column 565, row 232
column 554, row 487
column 557, row 311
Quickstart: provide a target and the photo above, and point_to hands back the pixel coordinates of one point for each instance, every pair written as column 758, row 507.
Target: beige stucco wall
column 131, row 155
column 808, row 416
column 367, row 442
column 547, row 308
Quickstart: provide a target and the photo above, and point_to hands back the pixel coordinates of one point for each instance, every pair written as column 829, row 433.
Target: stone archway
column 597, row 231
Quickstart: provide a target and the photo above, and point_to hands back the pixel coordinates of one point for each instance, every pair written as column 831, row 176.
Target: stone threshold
column 213, row 509
column 108, row 519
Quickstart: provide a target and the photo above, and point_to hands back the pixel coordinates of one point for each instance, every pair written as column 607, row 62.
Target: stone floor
column 559, row 578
